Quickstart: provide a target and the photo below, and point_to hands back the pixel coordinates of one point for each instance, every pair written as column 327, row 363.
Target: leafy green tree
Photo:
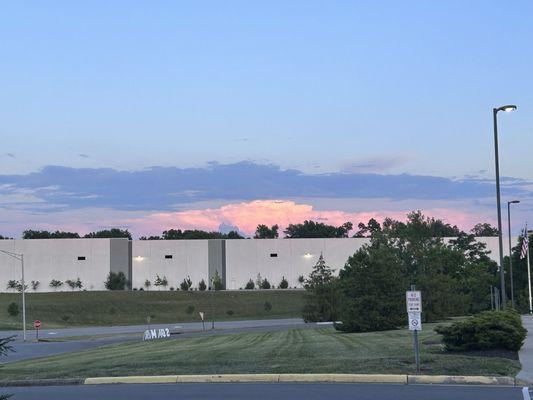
column 55, row 284
column 36, row 234
column 311, row 229
column 484, row 229
column 264, row 232
column 158, row 281
column 372, row 287
column 116, row 281
column 284, row 284
column 109, row 234
column 71, row 284
column 250, row 285
column 186, row 284
column 217, row 282
column 4, row 237
column 371, row 228
column 178, row 234
column 35, row 285
column 147, row 284
column 322, row 294
column 78, row 284
column 202, row 286
column 12, row 284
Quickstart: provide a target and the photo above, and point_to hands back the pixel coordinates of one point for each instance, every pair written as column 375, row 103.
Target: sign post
column 37, row 326
column 413, row 299
column 202, row 317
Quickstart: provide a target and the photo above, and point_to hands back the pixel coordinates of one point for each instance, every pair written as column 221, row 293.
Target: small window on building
column 168, row 256
column 81, row 258
column 273, row 254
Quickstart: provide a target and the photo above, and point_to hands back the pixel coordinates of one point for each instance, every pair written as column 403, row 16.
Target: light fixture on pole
column 510, row 247
column 506, row 108
column 20, row 257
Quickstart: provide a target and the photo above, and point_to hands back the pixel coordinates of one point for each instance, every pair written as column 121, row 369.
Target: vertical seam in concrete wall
column 223, row 261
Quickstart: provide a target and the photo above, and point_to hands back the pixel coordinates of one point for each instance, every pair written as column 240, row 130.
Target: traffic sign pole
column 414, row 310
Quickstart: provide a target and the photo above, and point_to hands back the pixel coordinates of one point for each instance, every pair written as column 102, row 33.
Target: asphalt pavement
column 78, row 339
column 273, row 391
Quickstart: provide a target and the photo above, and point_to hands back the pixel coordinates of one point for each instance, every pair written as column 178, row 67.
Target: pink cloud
column 247, row 215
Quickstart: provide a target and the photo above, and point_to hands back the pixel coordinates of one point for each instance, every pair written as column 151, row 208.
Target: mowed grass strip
column 69, row 309
column 293, row 351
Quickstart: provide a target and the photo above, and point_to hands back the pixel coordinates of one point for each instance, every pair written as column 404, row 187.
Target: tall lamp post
column 20, row 257
column 510, row 247
column 495, row 111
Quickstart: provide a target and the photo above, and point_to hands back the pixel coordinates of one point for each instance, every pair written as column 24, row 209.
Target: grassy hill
column 68, row 309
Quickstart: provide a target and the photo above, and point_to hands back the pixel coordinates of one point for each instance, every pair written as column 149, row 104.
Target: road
column 128, row 329
column 275, row 391
column 76, row 339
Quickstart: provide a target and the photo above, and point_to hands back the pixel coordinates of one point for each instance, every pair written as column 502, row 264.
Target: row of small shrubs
column 485, row 331
column 263, row 283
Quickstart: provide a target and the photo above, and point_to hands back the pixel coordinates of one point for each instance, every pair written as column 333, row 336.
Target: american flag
column 525, row 245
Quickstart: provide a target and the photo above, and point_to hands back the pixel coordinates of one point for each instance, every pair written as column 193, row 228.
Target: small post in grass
column 414, row 309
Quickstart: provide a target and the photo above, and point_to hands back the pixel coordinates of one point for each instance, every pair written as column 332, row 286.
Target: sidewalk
column 526, row 352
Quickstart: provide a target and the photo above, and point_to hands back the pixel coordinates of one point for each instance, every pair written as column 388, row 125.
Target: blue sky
column 348, row 89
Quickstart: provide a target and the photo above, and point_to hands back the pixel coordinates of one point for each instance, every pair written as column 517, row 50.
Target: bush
column 265, row 284
column 186, row 284
column 230, row 312
column 189, row 309
column 250, row 285
column 217, row 282
column 284, row 284
column 13, row 309
column 116, row 281
column 202, row 286
column 54, row 283
column 485, row 331
column 267, row 306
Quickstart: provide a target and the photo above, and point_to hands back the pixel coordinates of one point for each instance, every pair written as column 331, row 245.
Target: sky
column 221, row 115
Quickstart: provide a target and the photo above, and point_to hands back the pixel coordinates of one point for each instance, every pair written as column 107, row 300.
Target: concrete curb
column 274, row 378
column 43, row 382
column 340, row 378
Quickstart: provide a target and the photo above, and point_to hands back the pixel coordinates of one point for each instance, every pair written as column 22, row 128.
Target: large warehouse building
column 236, row 261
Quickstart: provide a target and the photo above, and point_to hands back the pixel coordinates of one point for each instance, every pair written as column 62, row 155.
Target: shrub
column 202, row 286
column 13, row 309
column 71, row 283
column 147, row 284
column 250, row 285
column 172, row 288
column 217, row 282
column 485, row 331
column 54, row 283
column 189, row 309
column 12, row 284
column 267, row 306
column 35, row 284
column 186, row 284
column 116, row 281
column 265, row 284
column 230, row 312
column 284, row 284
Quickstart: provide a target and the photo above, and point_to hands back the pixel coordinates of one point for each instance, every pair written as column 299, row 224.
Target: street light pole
column 20, row 257
column 498, row 202
column 510, row 248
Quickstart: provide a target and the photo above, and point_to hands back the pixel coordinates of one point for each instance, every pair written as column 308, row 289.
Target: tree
column 484, row 229
column 150, row 238
column 71, row 284
column 202, row 286
column 13, row 309
column 264, row 232
column 372, row 287
column 5, row 348
column 109, row 234
column 12, row 284
column 5, row 237
column 284, row 284
column 301, row 280
column 371, row 228
column 31, row 234
column 147, row 284
column 164, row 282
column 55, row 284
column 178, row 234
column 78, row 284
column 250, row 285
column 321, row 298
column 158, row 281
column 265, row 284
column 116, row 281
column 311, row 229
column 186, row 284
column 35, row 284
column 217, row 282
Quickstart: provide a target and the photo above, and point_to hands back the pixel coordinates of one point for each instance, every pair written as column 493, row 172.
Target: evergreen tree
column 322, row 296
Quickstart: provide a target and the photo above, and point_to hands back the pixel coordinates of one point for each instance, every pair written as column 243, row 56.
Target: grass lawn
column 297, row 350
column 68, row 309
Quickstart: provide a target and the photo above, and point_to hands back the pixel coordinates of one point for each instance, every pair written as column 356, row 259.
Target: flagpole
column 525, row 242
